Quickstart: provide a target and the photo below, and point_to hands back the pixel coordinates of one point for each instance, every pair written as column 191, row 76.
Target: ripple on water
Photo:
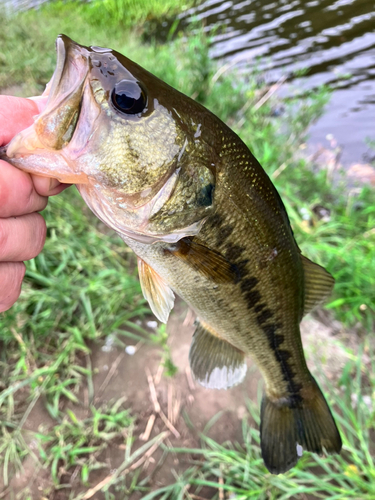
column 331, row 38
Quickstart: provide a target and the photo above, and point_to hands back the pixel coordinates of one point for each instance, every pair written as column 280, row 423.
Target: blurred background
column 97, row 399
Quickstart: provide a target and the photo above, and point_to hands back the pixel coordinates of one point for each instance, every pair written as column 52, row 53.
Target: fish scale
column 205, row 221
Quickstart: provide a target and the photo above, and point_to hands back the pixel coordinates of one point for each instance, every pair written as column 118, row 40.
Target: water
column 329, row 38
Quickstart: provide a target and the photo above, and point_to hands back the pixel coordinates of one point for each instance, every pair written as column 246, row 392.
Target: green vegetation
column 79, row 441
column 83, row 287
column 127, row 13
column 238, row 469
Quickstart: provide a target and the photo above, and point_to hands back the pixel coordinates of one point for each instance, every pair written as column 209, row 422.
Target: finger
column 21, row 238
column 17, row 113
column 17, row 193
column 11, row 276
column 59, row 189
column 46, row 186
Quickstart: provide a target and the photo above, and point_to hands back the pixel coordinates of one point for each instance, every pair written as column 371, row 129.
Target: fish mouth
column 59, row 105
column 41, row 148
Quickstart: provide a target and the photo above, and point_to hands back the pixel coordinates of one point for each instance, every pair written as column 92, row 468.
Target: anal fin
column 214, row 362
column 155, row 290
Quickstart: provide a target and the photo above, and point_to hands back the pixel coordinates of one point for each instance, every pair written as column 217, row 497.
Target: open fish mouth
column 59, row 105
column 64, row 123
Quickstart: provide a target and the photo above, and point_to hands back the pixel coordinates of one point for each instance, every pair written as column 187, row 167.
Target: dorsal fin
column 155, row 290
column 318, row 284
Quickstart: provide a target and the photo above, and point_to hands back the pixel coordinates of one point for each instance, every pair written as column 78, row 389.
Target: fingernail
column 53, row 183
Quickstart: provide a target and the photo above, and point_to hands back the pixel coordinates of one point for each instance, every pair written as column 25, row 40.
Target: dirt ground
column 176, row 406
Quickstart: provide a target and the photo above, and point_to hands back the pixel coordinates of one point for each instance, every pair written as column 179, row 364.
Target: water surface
column 330, row 38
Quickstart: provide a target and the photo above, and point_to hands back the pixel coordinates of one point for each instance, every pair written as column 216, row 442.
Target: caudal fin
column 289, row 422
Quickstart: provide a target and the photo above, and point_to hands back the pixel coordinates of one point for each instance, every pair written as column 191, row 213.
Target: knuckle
column 4, row 235
column 39, row 231
column 4, row 194
column 33, row 201
column 12, row 274
column 29, row 197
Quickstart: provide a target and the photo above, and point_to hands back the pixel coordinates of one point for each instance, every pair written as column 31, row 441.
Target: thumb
column 16, row 114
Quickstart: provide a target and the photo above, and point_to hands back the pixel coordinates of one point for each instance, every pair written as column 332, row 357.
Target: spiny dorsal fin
column 208, row 262
column 318, row 284
column 214, row 362
column 155, row 291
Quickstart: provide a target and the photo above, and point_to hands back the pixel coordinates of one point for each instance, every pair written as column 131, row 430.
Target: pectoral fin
column 214, row 362
column 155, row 291
column 204, row 260
column 318, row 284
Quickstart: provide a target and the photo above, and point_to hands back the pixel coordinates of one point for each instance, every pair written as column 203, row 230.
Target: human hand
column 22, row 229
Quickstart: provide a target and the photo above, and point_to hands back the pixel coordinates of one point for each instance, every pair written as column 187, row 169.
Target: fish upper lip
column 70, row 57
column 61, row 52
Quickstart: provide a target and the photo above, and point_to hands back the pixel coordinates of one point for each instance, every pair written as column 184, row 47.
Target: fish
column 205, row 221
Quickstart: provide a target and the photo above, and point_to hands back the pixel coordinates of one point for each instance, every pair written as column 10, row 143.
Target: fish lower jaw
column 24, row 143
column 47, row 164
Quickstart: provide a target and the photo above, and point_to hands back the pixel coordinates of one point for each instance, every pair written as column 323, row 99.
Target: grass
column 237, row 470
column 78, row 442
column 84, row 288
column 74, row 291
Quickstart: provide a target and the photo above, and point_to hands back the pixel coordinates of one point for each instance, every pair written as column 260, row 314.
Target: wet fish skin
column 186, row 194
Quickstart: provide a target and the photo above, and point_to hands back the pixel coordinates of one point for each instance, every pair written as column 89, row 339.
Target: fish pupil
column 129, row 97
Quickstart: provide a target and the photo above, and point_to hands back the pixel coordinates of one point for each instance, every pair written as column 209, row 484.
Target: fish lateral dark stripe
column 248, row 284
column 252, row 298
column 240, row 268
column 214, row 221
column 283, row 354
column 259, row 308
column 224, row 232
column 233, row 252
column 282, row 357
column 270, row 331
column 275, row 340
column 264, row 316
column 278, row 340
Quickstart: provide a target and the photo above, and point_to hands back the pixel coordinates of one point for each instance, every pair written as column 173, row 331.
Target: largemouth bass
column 186, row 194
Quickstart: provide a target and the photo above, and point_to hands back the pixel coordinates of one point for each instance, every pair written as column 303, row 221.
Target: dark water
column 329, row 38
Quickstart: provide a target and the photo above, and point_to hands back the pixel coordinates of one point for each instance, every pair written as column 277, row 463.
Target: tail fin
column 287, row 423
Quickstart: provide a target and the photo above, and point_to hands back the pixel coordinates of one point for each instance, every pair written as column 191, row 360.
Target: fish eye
column 129, row 97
